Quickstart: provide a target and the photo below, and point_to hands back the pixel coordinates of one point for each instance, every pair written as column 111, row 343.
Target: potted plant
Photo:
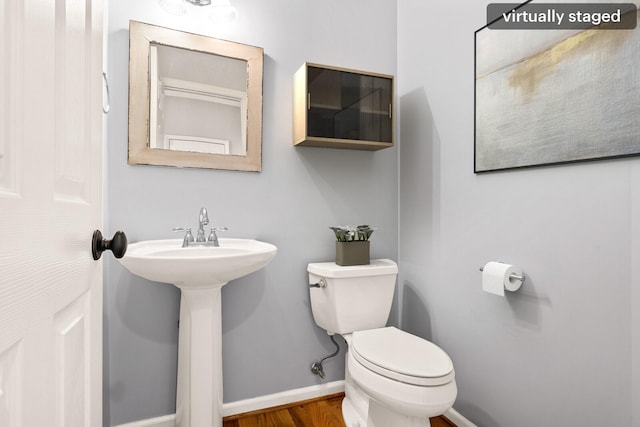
column 352, row 244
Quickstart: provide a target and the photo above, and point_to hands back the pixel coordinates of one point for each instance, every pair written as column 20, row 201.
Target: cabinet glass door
column 347, row 105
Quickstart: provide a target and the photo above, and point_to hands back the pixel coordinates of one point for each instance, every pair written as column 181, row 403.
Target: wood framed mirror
column 194, row 101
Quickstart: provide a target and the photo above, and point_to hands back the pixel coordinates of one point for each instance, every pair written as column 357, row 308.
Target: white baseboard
column 254, row 404
column 165, row 421
column 277, row 399
column 283, row 398
column 456, row 418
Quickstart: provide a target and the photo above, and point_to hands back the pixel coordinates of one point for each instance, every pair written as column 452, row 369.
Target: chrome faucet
column 203, row 220
column 200, row 240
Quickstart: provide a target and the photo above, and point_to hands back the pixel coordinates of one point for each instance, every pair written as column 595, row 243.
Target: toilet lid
column 401, row 356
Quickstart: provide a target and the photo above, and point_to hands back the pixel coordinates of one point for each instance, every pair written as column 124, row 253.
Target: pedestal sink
column 200, row 272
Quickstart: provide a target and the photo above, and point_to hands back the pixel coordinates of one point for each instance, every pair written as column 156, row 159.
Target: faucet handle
column 188, row 237
column 213, row 237
column 213, row 232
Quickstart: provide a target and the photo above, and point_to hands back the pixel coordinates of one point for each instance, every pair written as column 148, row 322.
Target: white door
column 50, row 203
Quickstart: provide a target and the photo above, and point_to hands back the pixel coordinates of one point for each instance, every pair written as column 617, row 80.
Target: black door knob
column 117, row 245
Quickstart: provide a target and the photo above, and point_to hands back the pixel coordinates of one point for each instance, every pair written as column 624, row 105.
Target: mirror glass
column 194, row 101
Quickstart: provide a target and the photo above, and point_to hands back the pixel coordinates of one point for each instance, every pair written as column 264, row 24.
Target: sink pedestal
column 200, row 272
column 199, row 393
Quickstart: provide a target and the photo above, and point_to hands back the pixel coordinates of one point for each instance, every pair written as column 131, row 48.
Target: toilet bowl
column 392, row 378
column 411, row 377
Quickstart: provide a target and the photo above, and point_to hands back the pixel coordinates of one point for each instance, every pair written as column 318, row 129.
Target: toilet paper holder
column 513, row 276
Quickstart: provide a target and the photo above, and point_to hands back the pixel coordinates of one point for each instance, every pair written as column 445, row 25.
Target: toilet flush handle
column 321, row 284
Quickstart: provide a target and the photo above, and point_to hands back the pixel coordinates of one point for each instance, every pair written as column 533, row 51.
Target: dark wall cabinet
column 341, row 108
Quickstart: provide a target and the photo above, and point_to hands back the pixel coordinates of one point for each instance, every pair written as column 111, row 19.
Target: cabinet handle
column 389, row 110
column 308, row 100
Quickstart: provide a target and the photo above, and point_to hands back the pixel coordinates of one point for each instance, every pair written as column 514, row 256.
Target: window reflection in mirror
column 201, row 98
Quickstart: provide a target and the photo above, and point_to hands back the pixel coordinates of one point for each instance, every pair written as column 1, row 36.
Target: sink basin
column 197, row 266
column 200, row 272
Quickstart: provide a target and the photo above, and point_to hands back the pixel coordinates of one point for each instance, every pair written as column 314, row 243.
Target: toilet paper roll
column 495, row 278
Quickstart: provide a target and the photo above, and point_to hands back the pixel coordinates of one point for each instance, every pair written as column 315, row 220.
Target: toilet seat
column 401, row 356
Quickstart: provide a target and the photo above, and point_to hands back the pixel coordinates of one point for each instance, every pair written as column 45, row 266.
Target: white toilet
column 393, row 378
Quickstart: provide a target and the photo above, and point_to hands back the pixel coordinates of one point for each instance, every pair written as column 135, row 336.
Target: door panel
column 50, row 203
column 72, row 326
column 10, row 393
column 10, row 79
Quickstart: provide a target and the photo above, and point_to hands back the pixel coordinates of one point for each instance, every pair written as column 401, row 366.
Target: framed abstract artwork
column 548, row 97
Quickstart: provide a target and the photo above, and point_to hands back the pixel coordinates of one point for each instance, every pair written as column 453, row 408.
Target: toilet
column 392, row 378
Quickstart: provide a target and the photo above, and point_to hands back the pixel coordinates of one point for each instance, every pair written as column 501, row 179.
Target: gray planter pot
column 352, row 253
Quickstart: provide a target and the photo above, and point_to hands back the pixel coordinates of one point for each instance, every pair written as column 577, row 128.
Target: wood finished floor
column 321, row 412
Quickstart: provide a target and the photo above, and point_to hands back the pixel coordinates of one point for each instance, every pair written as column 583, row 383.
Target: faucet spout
column 203, row 219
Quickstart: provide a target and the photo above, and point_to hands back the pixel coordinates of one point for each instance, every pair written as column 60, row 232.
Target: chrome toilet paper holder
column 512, row 276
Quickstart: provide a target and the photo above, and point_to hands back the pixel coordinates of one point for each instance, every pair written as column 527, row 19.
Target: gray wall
column 269, row 337
column 563, row 350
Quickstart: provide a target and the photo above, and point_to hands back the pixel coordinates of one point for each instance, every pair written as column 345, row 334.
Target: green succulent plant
column 349, row 233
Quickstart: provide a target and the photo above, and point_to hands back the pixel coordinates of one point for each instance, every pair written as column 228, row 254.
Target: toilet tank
column 355, row 297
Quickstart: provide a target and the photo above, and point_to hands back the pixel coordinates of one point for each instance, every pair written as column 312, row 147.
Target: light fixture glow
column 174, row 7
column 221, row 10
column 223, row 13
column 200, row 2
